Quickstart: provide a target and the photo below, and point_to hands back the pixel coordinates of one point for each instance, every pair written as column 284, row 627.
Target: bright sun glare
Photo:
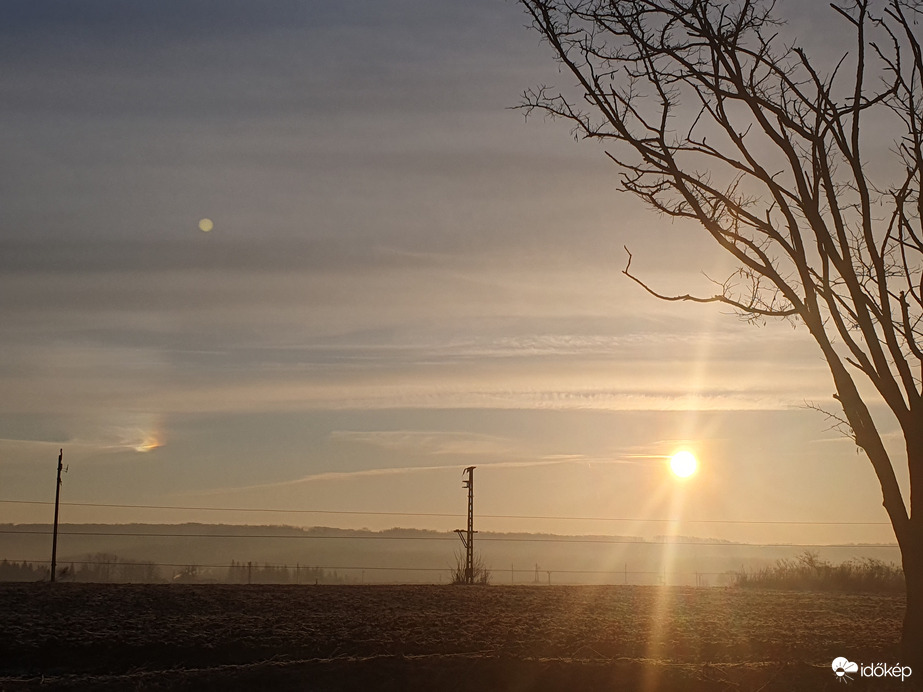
column 683, row 464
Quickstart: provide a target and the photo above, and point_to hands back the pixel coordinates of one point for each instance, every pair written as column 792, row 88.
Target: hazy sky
column 404, row 278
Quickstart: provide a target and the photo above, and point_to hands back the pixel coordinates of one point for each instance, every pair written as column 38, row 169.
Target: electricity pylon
column 467, row 537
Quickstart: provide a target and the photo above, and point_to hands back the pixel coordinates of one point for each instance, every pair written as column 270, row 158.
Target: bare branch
column 747, row 308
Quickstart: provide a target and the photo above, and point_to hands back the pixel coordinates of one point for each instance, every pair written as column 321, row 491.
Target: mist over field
column 402, row 555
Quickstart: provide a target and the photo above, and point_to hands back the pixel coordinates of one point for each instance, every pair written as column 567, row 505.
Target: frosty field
column 79, row 636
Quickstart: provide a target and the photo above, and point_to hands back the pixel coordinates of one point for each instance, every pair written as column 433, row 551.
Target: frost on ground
column 74, row 636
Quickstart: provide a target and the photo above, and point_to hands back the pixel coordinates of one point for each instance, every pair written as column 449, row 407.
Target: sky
column 405, row 277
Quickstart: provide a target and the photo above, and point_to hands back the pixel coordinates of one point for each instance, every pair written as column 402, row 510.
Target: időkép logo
column 846, row 670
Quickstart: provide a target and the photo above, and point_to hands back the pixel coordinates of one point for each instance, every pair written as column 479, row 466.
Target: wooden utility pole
column 467, row 537
column 54, row 535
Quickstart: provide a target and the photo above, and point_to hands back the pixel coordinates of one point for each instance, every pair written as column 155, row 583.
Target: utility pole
column 57, row 498
column 467, row 537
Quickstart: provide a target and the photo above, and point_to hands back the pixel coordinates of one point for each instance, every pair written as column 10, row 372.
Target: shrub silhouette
column 481, row 572
column 808, row 572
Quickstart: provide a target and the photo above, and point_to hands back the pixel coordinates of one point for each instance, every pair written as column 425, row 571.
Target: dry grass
column 808, row 572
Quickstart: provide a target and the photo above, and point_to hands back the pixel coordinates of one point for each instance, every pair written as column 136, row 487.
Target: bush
column 481, row 573
column 808, row 572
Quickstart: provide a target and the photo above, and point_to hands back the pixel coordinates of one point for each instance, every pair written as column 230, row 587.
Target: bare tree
column 782, row 161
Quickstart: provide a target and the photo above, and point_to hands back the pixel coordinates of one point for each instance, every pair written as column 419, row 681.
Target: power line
column 228, row 535
column 452, row 515
column 145, row 563
column 497, row 539
column 237, row 509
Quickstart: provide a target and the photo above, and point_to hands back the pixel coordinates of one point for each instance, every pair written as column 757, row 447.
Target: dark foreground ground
column 503, row 638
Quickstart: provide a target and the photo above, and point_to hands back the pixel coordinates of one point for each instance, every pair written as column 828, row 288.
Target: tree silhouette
column 710, row 117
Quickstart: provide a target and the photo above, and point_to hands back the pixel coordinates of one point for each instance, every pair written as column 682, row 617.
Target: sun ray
column 657, row 646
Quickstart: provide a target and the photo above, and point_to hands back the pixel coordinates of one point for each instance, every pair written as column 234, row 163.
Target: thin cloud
column 429, row 442
column 555, row 460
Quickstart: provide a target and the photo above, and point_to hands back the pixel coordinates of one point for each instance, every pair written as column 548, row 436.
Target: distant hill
column 208, row 551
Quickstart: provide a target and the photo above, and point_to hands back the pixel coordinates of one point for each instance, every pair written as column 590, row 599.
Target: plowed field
column 108, row 637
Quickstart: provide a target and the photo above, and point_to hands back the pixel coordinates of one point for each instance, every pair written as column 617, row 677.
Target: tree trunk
column 912, row 551
column 907, row 529
column 912, row 635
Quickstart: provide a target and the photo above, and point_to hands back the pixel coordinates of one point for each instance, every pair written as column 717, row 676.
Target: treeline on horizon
column 104, row 568
column 259, row 529
column 256, row 530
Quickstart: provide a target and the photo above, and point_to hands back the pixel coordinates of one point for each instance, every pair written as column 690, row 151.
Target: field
column 522, row 638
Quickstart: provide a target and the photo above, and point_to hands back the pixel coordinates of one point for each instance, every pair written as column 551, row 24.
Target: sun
column 683, row 464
